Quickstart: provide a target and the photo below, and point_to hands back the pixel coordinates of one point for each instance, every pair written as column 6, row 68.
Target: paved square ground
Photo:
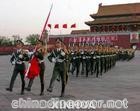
column 123, row 81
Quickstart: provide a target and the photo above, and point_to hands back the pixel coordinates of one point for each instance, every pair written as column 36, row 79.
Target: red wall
column 122, row 41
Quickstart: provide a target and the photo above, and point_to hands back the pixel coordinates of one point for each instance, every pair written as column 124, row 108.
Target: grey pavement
column 122, row 81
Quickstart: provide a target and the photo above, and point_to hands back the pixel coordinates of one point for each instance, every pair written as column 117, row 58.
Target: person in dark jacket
column 18, row 58
column 58, row 56
column 39, row 54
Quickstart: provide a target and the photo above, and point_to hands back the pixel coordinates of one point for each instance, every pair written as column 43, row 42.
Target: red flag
column 49, row 25
column 34, row 68
column 64, row 25
column 73, row 26
column 56, row 26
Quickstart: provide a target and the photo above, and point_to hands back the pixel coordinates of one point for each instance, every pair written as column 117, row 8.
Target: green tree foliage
column 16, row 37
column 31, row 39
column 4, row 41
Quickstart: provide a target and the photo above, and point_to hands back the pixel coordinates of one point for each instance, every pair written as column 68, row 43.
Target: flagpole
column 46, row 22
column 29, row 65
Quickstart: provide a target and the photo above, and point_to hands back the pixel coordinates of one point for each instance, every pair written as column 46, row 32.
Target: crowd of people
column 80, row 59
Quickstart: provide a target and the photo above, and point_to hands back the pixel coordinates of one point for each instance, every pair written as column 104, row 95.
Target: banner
column 93, row 39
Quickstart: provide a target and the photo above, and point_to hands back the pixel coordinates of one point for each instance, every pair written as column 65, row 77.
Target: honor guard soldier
column 131, row 54
column 93, row 60
column 97, row 59
column 57, row 56
column 18, row 58
column 88, row 60
column 70, row 52
column 76, row 61
column 39, row 54
column 83, row 60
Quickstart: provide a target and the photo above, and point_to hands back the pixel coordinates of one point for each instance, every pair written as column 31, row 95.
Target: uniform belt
column 74, row 57
column 60, row 60
column 84, row 57
column 21, row 62
column 88, row 57
column 94, row 57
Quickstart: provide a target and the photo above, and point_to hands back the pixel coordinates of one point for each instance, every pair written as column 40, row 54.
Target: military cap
column 19, row 42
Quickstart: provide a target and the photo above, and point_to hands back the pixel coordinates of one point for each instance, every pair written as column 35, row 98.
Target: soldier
column 58, row 57
column 106, row 59
column 76, row 61
column 39, row 54
column 93, row 60
column 67, row 60
column 97, row 60
column 17, row 59
column 83, row 59
column 101, row 54
column 88, row 60
column 131, row 54
column 70, row 52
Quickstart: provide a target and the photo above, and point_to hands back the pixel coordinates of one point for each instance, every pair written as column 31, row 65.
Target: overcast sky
column 26, row 17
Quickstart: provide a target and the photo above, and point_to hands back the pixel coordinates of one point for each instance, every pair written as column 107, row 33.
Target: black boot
column 9, row 89
column 62, row 94
column 63, row 90
column 49, row 89
column 22, row 93
column 28, row 88
column 22, row 89
column 42, row 90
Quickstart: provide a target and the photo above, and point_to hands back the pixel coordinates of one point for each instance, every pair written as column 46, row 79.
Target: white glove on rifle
column 53, row 60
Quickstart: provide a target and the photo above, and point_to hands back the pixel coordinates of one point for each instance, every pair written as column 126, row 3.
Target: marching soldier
column 58, row 57
column 97, row 59
column 93, row 60
column 76, row 61
column 88, row 58
column 18, row 58
column 83, row 59
column 131, row 54
column 39, row 54
column 67, row 60
column 70, row 52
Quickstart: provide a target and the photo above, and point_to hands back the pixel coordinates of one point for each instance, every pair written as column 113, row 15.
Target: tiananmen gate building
column 118, row 25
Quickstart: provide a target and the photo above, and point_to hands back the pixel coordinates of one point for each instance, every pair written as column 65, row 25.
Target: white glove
column 13, row 62
column 63, row 53
column 30, row 53
column 53, row 60
column 20, row 56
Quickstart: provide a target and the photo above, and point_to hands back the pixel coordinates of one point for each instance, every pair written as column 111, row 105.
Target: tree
column 16, row 37
column 31, row 39
column 4, row 41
